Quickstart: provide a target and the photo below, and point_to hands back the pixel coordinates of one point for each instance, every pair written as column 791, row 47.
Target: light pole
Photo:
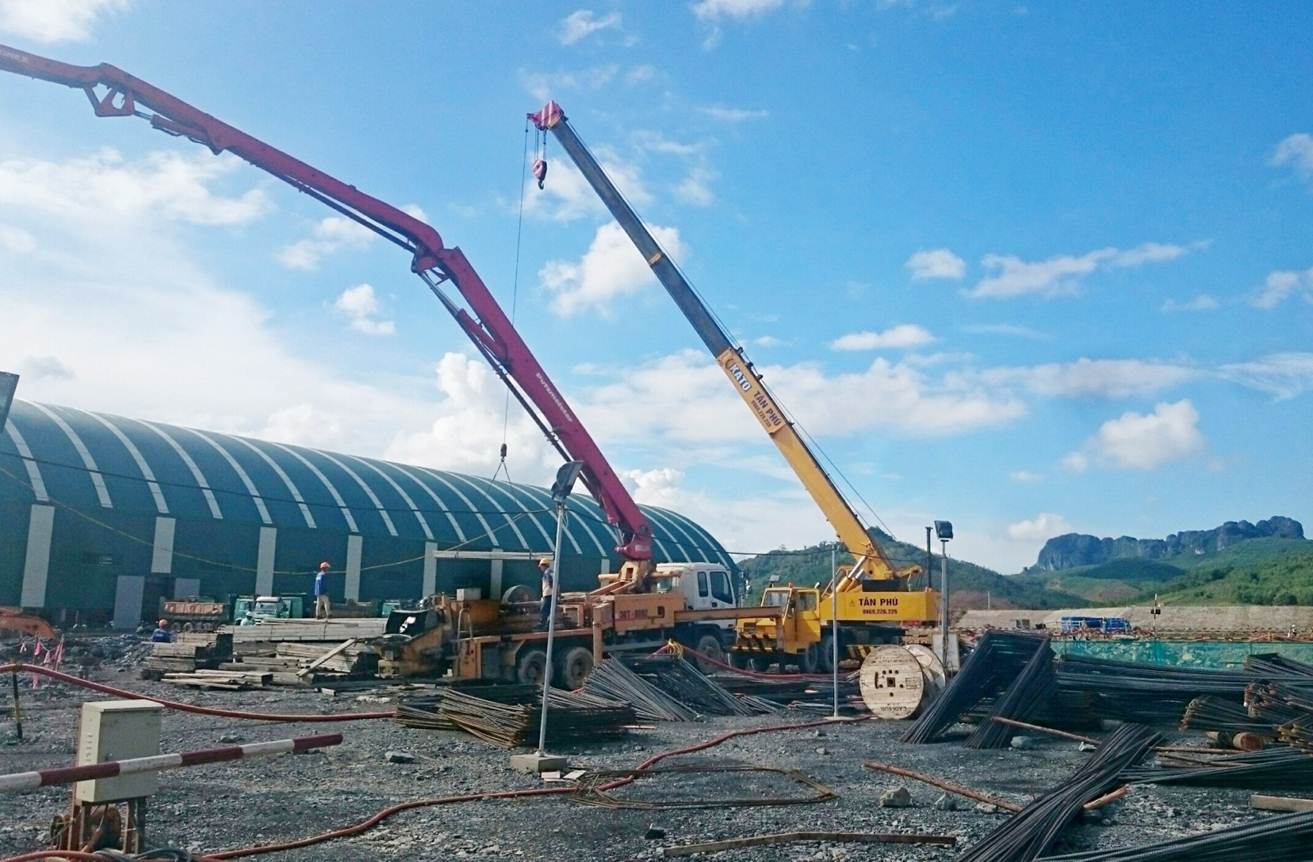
column 540, row 761
column 944, row 531
column 834, row 627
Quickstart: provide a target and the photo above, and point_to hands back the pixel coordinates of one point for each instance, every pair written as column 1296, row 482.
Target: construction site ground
column 290, row 797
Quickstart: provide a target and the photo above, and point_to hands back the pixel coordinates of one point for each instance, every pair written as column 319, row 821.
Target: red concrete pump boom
column 488, row 327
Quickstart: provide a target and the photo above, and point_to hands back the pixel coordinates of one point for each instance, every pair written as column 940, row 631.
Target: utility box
column 117, row 730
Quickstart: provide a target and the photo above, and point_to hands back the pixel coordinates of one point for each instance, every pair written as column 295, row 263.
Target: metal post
column 18, row 711
column 834, row 627
column 929, row 558
column 551, row 621
column 943, row 599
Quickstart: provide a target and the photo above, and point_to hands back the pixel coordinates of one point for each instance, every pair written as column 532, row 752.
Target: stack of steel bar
column 1024, row 699
column 613, row 680
column 1270, row 769
column 1031, row 831
column 1145, row 692
column 508, row 723
column 1221, row 715
column 799, row 694
column 997, row 660
column 1276, row 665
column 684, row 682
column 1285, row 838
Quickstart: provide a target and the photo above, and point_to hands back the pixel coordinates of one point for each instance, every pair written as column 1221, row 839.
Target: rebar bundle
column 1276, row 665
column 1027, row 834
column 1149, row 693
column 1025, row 698
column 1284, row 838
column 998, row 659
column 684, row 682
column 613, row 680
column 1270, row 769
column 510, row 724
column 1220, row 714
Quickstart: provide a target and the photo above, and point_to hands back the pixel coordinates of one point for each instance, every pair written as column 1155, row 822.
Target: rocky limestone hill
column 1076, row 549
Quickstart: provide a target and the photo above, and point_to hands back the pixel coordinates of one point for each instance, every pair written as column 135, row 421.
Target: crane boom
column 871, row 563
column 488, row 326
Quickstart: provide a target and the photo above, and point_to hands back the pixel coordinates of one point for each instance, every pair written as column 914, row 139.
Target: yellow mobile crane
column 866, row 604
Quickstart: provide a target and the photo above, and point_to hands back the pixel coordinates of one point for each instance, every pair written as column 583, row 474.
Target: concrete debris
column 1087, row 747
column 986, row 808
column 654, row 833
column 899, row 797
column 399, row 757
column 946, row 802
column 1022, row 743
column 232, row 738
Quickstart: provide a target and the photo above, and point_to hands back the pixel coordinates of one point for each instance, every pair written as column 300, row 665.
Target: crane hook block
column 540, row 171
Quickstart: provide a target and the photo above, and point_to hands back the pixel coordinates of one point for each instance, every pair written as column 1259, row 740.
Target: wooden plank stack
column 188, row 652
column 221, row 679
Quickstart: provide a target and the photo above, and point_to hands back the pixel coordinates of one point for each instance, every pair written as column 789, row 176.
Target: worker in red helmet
column 323, row 604
column 162, row 635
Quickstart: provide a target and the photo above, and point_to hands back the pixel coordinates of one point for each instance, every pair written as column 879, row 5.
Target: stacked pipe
column 1271, row 769
column 613, row 680
column 1025, row 698
column 1030, row 832
column 998, row 659
column 1285, row 838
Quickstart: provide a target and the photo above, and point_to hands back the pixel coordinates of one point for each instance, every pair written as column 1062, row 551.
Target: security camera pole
column 944, row 530
column 540, row 761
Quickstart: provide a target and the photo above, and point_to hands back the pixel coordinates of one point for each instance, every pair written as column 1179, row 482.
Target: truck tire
column 573, row 667
column 756, row 662
column 530, row 665
column 710, row 646
column 809, row 660
column 827, row 653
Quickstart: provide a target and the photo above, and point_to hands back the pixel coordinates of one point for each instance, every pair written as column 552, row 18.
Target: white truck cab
column 704, row 586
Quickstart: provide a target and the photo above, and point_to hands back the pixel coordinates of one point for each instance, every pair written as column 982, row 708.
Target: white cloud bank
column 50, row 21
column 611, row 268
column 582, row 23
column 1282, row 285
column 1140, row 441
column 359, row 307
column 901, row 337
column 1296, row 151
column 1043, row 526
column 935, row 263
column 1063, row 274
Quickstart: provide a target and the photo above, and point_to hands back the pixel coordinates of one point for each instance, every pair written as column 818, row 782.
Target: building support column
column 353, row 550
column 161, row 555
column 429, row 586
column 36, row 565
column 264, row 561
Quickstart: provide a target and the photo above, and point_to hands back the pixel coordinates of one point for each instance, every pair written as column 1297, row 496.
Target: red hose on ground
column 19, row 667
column 379, row 817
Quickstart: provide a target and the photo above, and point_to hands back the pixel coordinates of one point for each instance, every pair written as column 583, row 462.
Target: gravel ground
column 258, row 801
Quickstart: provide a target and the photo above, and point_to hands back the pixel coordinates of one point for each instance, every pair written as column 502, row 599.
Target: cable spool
column 935, row 676
column 892, row 682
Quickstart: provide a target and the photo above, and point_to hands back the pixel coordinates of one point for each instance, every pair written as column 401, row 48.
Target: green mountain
column 971, row 586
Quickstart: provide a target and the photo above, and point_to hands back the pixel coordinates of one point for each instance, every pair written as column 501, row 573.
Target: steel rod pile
column 690, row 686
column 1030, row 832
column 1270, row 769
column 1276, row 665
column 1025, row 698
column 613, row 680
column 1226, row 716
column 511, row 724
column 1284, row 838
column 998, row 659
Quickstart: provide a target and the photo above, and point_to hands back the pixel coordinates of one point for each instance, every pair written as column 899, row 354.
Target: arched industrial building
column 101, row 516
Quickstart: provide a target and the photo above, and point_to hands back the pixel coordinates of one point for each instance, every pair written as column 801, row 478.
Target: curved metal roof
column 97, row 462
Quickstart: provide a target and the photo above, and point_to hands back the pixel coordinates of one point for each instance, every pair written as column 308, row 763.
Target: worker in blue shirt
column 323, row 604
column 162, row 635
column 548, row 588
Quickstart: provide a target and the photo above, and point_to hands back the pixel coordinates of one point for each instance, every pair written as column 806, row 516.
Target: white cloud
column 715, row 10
column 689, row 401
column 611, row 268
column 1296, row 151
column 1281, row 375
column 1043, row 526
column 1283, row 284
column 567, row 196
column 51, row 21
column 1202, row 302
column 548, row 85
column 1026, row 477
column 44, row 368
column 1063, row 274
column 330, row 235
column 1076, row 462
column 935, row 263
column 16, row 240
column 166, row 184
column 768, row 341
column 900, row 337
column 359, row 307
column 695, row 188
column 583, row 23
column 464, row 430
column 1144, row 441
column 728, row 114
column 1084, row 378
column 1011, row 329
column 641, row 74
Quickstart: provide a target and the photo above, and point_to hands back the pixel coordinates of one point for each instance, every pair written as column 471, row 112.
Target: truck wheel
column 711, row 647
column 827, row 653
column 573, row 667
column 809, row 660
column 530, row 666
column 758, row 663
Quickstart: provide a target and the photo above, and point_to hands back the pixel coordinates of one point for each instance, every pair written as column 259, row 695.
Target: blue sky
column 1029, row 267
